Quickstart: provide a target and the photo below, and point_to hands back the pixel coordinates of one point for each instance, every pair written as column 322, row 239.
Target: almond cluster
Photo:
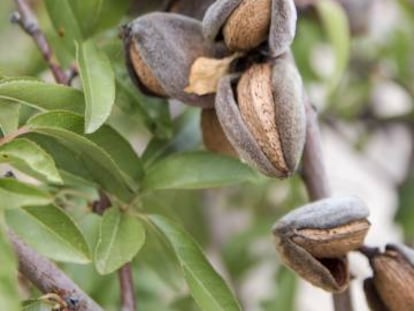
column 236, row 65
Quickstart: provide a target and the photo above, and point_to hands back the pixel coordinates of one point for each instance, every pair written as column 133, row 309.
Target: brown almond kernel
column 257, row 108
column 248, row 25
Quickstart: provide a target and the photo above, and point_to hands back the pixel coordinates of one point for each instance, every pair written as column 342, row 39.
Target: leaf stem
column 29, row 23
column 8, row 138
column 127, row 288
column 317, row 185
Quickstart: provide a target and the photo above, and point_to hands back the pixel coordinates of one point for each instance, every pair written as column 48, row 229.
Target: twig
column 72, row 73
column 127, row 288
column 28, row 22
column 316, row 181
column 48, row 278
column 102, row 204
column 314, row 173
column 8, row 138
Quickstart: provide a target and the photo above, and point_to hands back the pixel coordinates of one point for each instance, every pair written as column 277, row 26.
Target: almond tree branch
column 48, row 278
column 316, row 182
column 314, row 172
column 127, row 288
column 29, row 23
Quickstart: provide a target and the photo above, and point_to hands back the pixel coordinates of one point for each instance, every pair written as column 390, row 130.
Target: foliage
column 72, row 143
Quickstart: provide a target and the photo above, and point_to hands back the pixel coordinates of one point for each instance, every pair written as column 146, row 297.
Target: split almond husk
column 314, row 240
column 246, row 24
column 262, row 114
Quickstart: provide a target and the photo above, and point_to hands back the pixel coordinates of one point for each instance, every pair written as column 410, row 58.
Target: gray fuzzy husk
column 169, row 44
column 323, row 214
column 282, row 26
column 287, row 89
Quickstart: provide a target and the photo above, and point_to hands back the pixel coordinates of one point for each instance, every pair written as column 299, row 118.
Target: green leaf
column 98, row 82
column 30, row 159
column 15, row 194
column 66, row 22
column 9, row 116
column 284, row 299
column 66, row 160
column 50, row 231
column 196, row 170
column 43, row 96
column 106, row 13
column 121, row 236
column 117, row 147
column 184, row 303
column 310, row 36
column 67, row 128
column 335, row 24
column 405, row 212
column 36, row 305
column 80, row 19
column 186, row 136
column 120, row 150
column 158, row 255
column 9, row 295
column 152, row 112
column 207, row 287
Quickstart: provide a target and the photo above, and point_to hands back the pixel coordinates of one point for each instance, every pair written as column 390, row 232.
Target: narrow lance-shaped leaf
column 153, row 112
column 15, row 194
column 9, row 116
column 36, row 305
column 9, row 296
column 30, row 159
column 64, row 126
column 336, row 26
column 115, row 145
column 196, row 170
column 207, row 287
column 73, row 18
column 50, row 231
column 158, row 255
column 107, row 13
column 66, row 160
column 121, row 236
column 186, row 136
column 405, row 213
column 66, row 22
column 41, row 95
column 98, row 82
